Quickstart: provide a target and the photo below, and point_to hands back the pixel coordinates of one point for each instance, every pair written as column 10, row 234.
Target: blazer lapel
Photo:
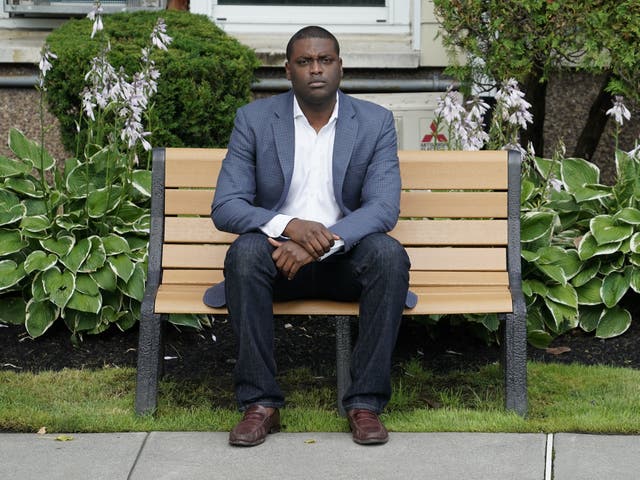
column 345, row 139
column 284, row 136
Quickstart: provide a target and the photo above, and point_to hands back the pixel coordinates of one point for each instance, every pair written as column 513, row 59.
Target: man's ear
column 286, row 69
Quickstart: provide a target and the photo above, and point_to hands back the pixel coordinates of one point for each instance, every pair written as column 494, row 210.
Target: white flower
column 510, row 101
column 619, row 112
column 95, row 15
column 45, row 63
column 159, row 37
column 450, row 107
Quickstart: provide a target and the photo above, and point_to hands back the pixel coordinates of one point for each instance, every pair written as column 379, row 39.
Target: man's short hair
column 312, row 31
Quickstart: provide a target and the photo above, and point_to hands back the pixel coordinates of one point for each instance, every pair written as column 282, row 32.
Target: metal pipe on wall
column 387, row 85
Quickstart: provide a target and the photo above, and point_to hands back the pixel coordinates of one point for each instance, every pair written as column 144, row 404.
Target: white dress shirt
column 311, row 195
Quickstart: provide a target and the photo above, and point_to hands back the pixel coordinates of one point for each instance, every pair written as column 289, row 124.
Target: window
column 342, row 16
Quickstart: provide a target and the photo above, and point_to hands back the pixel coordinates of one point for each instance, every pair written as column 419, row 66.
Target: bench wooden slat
column 443, row 170
column 418, row 278
column 415, row 203
column 408, row 232
column 431, row 300
column 194, row 230
column 193, row 167
column 427, row 258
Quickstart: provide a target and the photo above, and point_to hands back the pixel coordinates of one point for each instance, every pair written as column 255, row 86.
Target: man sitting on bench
column 311, row 184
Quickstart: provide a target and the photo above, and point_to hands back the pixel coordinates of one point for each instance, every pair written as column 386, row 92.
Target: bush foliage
column 206, row 75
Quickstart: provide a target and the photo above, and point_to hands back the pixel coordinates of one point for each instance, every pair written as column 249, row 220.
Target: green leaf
column 37, row 223
column 635, row 280
column 104, row 200
column 11, row 242
column 588, row 247
column 24, row 186
column 12, row 310
column 567, row 259
column 60, row 246
column 529, row 256
column 548, row 168
column 129, row 213
column 536, row 225
column 78, row 321
column 615, row 321
column 564, row 317
column 591, row 192
column 96, row 257
column 142, row 182
column 39, row 260
column 85, row 303
column 12, row 168
column 614, row 286
column 122, row 266
column 605, row 230
column 86, row 284
column 186, row 320
column 105, row 277
column 534, row 287
column 37, row 288
column 39, row 317
column 589, row 293
column 13, row 214
column 134, row 288
column 554, row 272
column 29, row 150
column 10, row 273
column 115, row 244
column 576, row 173
column 11, row 209
column 564, row 294
column 628, row 215
column 590, row 317
column 635, row 243
column 589, row 271
column 527, row 189
column 59, row 285
column 539, row 338
column 77, row 255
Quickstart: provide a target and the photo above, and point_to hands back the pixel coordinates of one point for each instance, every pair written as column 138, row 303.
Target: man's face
column 315, row 71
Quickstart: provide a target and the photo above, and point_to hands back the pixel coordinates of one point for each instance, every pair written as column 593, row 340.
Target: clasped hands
column 308, row 242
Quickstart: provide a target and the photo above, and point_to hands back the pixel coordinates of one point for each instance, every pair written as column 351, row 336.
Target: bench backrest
column 459, row 216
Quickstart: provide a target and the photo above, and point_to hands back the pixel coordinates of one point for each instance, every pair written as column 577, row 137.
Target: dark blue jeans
column 375, row 272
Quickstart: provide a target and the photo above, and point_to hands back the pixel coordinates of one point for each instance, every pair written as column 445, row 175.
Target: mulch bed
column 300, row 341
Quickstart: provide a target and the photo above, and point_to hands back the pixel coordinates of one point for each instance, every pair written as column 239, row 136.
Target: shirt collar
column 297, row 111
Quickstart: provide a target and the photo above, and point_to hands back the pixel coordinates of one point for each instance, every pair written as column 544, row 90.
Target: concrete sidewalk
column 198, row 455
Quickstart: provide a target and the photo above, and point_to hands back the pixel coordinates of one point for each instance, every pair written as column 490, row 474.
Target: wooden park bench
column 459, row 221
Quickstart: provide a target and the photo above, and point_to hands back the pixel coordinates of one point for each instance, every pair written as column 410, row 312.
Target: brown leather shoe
column 254, row 426
column 366, row 427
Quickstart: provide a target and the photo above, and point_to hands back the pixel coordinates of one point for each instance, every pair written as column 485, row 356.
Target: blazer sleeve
column 233, row 208
column 380, row 194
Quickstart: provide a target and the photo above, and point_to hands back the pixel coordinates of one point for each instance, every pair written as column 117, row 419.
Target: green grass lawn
column 562, row 398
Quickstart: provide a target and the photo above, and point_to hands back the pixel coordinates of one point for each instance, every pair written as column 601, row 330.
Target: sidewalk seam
column 548, row 470
column 135, row 462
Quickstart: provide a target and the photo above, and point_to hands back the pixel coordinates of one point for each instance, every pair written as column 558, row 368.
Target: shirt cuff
column 274, row 227
column 338, row 246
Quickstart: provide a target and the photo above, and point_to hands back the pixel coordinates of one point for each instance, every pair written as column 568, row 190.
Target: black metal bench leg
column 514, row 362
column 343, row 358
column 150, row 362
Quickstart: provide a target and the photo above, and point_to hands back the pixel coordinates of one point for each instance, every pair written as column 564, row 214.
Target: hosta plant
column 74, row 237
column 580, row 246
column 73, row 243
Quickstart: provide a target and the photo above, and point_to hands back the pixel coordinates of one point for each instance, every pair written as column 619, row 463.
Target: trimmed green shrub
column 206, row 75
